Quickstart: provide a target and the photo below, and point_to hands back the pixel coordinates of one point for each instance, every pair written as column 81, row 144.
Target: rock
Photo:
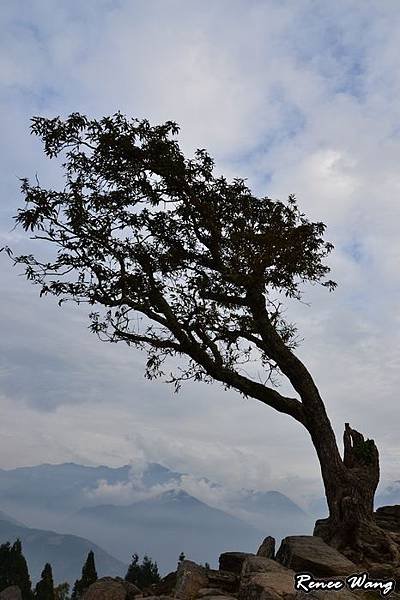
column 219, row 597
column 388, row 517
column 209, row 592
column 267, row 548
column 166, row 587
column 223, row 580
column 111, row 588
column 312, row 554
column 12, row 592
column 260, row 564
column 274, row 585
column 343, row 594
column 190, row 578
column 233, row 561
column 162, row 597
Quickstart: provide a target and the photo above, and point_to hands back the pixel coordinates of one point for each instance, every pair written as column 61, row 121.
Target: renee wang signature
column 306, row 582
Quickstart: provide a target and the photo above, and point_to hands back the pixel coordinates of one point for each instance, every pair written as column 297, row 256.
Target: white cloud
column 297, row 97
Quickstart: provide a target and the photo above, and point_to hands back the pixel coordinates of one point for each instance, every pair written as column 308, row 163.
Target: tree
column 143, row 575
column 45, row 587
column 89, row 576
column 181, row 263
column 61, row 591
column 14, row 570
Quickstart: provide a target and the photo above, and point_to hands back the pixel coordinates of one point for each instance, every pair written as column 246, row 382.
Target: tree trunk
column 350, row 492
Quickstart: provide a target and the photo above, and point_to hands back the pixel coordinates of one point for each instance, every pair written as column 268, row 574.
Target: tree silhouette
column 14, row 570
column 45, row 587
column 181, row 263
column 89, row 576
column 143, row 575
column 61, row 591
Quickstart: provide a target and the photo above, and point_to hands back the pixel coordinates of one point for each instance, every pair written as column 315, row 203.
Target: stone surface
column 274, row 585
column 388, row 517
column 223, row 580
column 166, row 587
column 11, row 592
column 190, row 578
column 267, row 548
column 233, row 561
column 310, row 553
column 210, row 592
column 343, row 594
column 111, row 588
column 161, row 597
column 260, row 564
column 219, row 597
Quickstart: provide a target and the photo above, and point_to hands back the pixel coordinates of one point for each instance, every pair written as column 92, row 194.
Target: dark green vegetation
column 142, row 574
column 14, row 570
column 140, row 232
column 44, row 589
column 89, row 576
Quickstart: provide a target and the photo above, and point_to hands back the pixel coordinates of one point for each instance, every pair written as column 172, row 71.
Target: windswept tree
column 181, row 263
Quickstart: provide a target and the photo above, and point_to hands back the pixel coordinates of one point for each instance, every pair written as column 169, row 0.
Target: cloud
column 297, row 97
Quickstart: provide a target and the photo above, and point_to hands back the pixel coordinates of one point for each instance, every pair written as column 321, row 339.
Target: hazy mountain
column 102, row 504
column 273, row 512
column 66, row 553
column 5, row 517
column 55, row 487
column 166, row 525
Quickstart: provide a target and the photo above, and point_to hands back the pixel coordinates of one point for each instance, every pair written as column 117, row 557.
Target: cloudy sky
column 298, row 96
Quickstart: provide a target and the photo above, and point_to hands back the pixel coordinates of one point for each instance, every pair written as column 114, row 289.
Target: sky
column 298, row 97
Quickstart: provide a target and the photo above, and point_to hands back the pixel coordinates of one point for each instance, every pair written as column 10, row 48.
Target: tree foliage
column 14, row 570
column 45, row 587
column 89, row 576
column 183, row 262
column 143, row 575
column 61, row 591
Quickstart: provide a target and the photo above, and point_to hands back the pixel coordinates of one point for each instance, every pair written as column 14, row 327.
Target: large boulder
column 12, row 592
column 111, row 588
column 260, row 564
column 343, row 594
column 206, row 592
column 273, row 585
column 217, row 597
column 310, row 553
column 223, row 580
column 267, row 548
column 388, row 517
column 166, row 587
column 233, row 561
column 190, row 578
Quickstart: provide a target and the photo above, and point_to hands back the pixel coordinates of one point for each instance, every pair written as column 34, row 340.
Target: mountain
column 5, row 517
column 66, row 553
column 91, row 501
column 166, row 525
column 273, row 512
column 55, row 487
